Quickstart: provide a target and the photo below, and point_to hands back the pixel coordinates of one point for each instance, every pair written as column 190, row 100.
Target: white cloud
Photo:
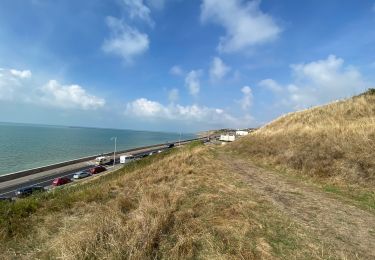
column 157, row 4
column 23, row 74
column 218, row 69
column 125, row 40
column 69, row 96
column 247, row 98
column 245, row 24
column 271, row 85
column 137, row 9
column 176, row 70
column 17, row 86
column 322, row 81
column 192, row 82
column 160, row 4
column 173, row 95
column 14, row 84
column 144, row 109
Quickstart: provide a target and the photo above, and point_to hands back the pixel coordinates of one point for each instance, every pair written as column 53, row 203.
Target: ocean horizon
column 24, row 146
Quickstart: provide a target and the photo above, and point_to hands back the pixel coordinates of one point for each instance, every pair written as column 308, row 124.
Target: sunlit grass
column 334, row 144
column 180, row 204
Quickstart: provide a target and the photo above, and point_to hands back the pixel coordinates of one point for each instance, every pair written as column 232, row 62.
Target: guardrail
column 19, row 174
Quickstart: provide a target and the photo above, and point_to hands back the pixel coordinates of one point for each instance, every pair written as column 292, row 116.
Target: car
column 60, row 181
column 101, row 160
column 27, row 191
column 81, row 175
column 97, row 169
column 144, row 155
column 170, row 145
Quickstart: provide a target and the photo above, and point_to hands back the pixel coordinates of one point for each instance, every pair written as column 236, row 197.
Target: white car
column 81, row 175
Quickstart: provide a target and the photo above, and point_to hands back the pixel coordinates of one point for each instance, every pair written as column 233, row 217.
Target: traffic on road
column 100, row 165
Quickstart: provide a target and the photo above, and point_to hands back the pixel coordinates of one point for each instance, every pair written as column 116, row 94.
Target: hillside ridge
column 334, row 141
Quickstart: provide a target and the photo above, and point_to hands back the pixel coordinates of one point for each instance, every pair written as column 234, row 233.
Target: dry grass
column 184, row 205
column 336, row 141
column 332, row 146
column 193, row 204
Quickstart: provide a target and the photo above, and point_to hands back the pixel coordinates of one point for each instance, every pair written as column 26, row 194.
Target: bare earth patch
column 343, row 230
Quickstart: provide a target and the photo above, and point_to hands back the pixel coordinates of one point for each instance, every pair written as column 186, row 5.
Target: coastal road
column 44, row 179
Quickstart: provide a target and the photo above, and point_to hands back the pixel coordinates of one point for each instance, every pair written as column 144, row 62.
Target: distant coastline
column 92, row 127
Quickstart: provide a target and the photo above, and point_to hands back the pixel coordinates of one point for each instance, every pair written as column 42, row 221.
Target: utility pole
column 114, row 152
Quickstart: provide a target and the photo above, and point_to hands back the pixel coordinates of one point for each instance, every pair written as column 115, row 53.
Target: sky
column 180, row 65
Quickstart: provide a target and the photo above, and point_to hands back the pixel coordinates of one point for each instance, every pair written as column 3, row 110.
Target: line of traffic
column 102, row 163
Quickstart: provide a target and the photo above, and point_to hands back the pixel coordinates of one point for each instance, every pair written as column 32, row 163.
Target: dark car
column 24, row 192
column 60, row 181
column 170, row 145
column 144, row 155
column 97, row 169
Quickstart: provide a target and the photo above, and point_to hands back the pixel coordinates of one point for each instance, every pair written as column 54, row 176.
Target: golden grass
column 189, row 204
column 335, row 142
column 184, row 205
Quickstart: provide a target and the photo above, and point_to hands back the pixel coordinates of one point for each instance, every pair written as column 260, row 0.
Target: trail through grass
column 186, row 204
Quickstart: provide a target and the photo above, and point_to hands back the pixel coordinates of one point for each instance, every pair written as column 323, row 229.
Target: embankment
column 335, row 142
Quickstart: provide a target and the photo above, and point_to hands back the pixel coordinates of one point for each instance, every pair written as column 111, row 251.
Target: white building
column 241, row 132
column 227, row 138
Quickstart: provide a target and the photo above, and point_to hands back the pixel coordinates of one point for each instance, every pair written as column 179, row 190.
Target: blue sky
column 176, row 65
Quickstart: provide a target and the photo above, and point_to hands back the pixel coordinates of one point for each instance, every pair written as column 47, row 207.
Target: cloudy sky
column 180, row 65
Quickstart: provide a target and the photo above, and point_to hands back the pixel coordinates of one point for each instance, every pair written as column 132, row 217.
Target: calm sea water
column 28, row 146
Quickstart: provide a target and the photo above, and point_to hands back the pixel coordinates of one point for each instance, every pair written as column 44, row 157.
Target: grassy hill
column 213, row 202
column 335, row 142
column 184, row 204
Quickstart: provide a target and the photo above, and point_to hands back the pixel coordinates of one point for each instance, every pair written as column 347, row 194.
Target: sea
column 27, row 146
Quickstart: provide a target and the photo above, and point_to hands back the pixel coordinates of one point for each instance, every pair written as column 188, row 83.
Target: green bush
column 370, row 91
column 13, row 215
column 194, row 144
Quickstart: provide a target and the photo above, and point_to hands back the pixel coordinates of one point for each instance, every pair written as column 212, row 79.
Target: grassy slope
column 334, row 144
column 185, row 204
column 188, row 204
column 336, row 141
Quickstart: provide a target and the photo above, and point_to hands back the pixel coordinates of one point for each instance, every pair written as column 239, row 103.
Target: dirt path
column 345, row 230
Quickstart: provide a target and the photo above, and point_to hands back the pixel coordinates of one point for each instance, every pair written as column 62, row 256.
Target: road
column 44, row 179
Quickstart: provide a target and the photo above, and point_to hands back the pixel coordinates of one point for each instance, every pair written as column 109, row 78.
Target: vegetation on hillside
column 335, row 141
column 182, row 204
column 205, row 202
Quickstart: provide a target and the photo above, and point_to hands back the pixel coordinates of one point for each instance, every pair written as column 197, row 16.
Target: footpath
column 345, row 230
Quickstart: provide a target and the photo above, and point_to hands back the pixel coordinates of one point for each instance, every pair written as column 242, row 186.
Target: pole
column 179, row 141
column 114, row 154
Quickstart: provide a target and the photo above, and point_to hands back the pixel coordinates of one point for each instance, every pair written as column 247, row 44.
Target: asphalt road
column 46, row 181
